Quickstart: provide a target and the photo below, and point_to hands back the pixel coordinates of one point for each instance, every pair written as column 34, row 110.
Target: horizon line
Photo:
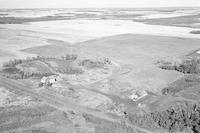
column 145, row 7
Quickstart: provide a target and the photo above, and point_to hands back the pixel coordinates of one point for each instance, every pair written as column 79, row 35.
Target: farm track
column 58, row 103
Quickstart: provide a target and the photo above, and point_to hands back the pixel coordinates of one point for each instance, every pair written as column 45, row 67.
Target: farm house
column 138, row 95
column 48, row 81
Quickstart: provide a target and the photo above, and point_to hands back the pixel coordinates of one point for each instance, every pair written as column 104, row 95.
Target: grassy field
column 126, row 48
column 36, row 119
column 133, row 51
column 4, row 53
column 139, row 55
column 56, row 50
column 64, row 66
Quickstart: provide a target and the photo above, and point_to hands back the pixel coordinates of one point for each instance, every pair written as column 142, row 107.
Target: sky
column 96, row 3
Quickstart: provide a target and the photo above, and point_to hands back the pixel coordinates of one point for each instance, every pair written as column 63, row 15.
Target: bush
column 15, row 73
column 179, row 118
column 92, row 64
column 167, row 90
column 142, row 120
column 168, row 67
column 195, row 32
column 70, row 57
column 189, row 66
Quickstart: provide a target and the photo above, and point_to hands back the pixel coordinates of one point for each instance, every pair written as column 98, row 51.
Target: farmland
column 99, row 70
column 106, row 85
column 102, row 87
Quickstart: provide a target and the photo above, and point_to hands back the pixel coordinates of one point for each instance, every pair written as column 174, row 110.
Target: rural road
column 63, row 105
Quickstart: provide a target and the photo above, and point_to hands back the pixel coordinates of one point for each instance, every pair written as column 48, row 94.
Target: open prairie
column 99, row 70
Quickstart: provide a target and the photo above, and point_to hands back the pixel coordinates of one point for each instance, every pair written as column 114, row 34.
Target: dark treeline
column 188, row 66
column 11, row 71
column 15, row 62
column 18, row 74
column 95, row 64
column 70, row 57
column 179, row 118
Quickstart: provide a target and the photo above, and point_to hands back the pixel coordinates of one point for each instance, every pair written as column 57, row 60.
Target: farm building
column 48, row 81
column 138, row 95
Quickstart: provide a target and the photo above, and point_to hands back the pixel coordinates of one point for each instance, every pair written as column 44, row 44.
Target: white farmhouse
column 134, row 97
column 48, row 81
column 43, row 80
column 138, row 95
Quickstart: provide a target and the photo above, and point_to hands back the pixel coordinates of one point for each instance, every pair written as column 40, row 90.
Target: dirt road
column 59, row 103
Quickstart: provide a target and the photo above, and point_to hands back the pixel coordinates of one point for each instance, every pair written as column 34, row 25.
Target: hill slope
column 139, row 49
column 58, row 49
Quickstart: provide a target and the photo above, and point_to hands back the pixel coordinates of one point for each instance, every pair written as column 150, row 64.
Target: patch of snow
column 83, row 30
column 198, row 52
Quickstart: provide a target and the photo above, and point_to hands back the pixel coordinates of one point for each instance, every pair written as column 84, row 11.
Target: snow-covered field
column 82, row 30
column 177, row 13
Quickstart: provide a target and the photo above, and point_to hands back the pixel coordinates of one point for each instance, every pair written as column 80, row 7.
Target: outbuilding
column 48, row 81
column 138, row 95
